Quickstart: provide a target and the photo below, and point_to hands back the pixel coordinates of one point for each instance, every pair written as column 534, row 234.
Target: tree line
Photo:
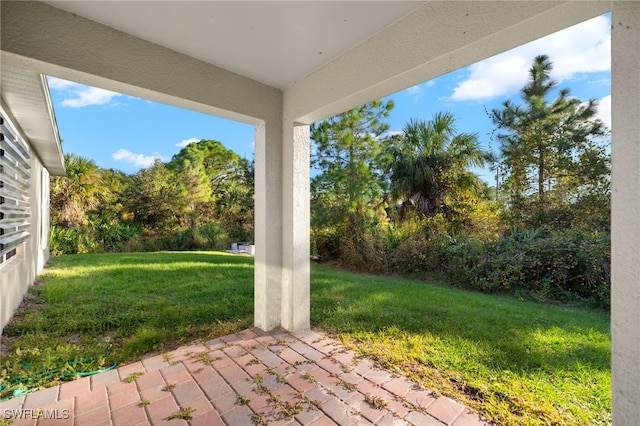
column 409, row 204
column 201, row 199
column 405, row 203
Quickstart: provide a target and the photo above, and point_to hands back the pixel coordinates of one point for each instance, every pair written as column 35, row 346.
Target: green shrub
column 72, row 241
column 212, row 236
column 566, row 266
column 114, row 236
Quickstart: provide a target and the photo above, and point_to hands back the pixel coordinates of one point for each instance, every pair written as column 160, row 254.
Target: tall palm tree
column 73, row 195
column 430, row 164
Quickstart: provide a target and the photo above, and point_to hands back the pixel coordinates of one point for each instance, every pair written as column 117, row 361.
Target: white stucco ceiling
column 274, row 42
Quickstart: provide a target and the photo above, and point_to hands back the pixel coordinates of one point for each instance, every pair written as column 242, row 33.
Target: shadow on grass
column 124, row 306
column 516, row 361
column 512, row 334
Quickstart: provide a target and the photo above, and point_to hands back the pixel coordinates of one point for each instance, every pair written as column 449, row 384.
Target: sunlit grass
column 114, row 308
column 514, row 361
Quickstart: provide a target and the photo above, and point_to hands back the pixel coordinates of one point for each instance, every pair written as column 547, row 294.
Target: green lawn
column 514, row 361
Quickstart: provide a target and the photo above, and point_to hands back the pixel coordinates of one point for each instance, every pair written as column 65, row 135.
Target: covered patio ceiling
column 274, row 43
column 321, row 57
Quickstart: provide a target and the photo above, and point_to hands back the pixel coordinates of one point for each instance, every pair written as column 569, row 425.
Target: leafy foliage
column 429, row 166
column 347, row 194
column 201, row 199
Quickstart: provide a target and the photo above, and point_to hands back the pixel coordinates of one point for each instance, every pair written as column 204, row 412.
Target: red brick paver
column 304, row 378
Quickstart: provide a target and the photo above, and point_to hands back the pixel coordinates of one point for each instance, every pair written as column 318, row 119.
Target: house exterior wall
column 18, row 273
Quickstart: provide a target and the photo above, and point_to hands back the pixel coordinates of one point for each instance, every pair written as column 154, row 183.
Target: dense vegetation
column 201, row 199
column 408, row 203
column 403, row 204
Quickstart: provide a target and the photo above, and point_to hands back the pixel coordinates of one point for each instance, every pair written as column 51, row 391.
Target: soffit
column 26, row 96
column 276, row 43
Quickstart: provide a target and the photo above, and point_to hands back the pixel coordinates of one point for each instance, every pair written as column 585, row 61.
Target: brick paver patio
column 249, row 378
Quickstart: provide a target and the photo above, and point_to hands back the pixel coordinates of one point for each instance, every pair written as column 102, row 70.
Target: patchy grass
column 514, row 361
column 91, row 311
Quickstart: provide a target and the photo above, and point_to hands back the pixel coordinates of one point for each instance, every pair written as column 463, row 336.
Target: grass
column 91, row 311
column 514, row 361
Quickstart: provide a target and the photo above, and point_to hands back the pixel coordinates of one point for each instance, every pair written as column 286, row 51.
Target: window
column 14, row 192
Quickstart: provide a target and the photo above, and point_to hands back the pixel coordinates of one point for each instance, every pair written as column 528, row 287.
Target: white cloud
column 186, row 142
column 416, row 92
column 583, row 48
column 59, row 84
column 604, row 110
column 78, row 95
column 139, row 160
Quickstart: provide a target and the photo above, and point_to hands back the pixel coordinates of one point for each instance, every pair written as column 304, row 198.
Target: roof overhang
column 25, row 98
column 235, row 68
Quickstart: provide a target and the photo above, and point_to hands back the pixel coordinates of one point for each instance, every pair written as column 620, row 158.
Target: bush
column 566, row 266
column 72, row 241
column 114, row 236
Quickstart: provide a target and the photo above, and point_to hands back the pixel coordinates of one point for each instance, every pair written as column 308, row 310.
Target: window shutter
column 15, row 213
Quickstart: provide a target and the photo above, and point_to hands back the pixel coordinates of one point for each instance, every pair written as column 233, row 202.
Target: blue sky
column 127, row 133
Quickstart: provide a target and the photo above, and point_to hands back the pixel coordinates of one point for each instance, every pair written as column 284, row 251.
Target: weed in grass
column 274, row 399
column 168, row 388
column 553, row 366
column 355, row 412
column 203, row 357
column 242, row 400
column 133, row 377
column 144, row 403
column 376, row 402
column 347, row 386
column 261, row 389
column 185, row 413
column 314, row 404
column 166, row 357
column 258, row 419
column 288, row 409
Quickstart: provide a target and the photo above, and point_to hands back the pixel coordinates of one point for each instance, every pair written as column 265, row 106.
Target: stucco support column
column 625, row 209
column 281, row 280
column 295, row 229
column 268, row 225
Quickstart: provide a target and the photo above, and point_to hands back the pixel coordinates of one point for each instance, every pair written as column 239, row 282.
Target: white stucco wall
column 19, row 273
column 625, row 212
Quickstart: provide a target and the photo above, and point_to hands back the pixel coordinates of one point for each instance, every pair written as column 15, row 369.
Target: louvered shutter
column 15, row 212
